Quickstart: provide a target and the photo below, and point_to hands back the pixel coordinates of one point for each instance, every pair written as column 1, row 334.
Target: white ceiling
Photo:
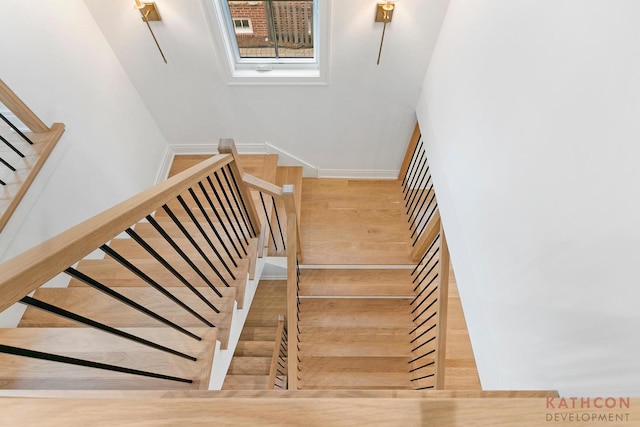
column 361, row 120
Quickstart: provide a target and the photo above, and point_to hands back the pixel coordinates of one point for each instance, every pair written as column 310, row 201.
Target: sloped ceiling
column 361, row 120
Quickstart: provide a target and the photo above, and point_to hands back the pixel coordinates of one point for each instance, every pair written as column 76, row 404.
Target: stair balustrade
column 278, row 370
column 174, row 242
column 22, row 152
column 431, row 273
column 417, row 186
column 286, row 196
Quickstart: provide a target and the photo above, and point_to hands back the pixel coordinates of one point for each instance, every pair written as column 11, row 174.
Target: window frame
column 242, row 30
column 270, row 71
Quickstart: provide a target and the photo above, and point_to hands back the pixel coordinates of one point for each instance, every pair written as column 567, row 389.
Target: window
column 242, row 26
column 273, row 41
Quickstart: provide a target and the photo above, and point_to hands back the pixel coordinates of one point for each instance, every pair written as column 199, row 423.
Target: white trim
column 177, row 149
column 358, row 173
column 288, row 159
column 296, row 75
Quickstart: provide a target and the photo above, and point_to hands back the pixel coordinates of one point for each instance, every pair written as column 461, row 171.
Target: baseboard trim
column 284, row 159
column 358, row 173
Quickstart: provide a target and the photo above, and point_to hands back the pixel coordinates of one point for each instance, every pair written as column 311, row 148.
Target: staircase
column 354, row 335
column 354, row 329
column 249, row 369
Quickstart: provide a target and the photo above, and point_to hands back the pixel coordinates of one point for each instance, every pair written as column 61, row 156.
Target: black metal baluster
column 2, row 182
column 169, row 267
column 194, row 243
column 426, row 308
column 415, row 175
column 423, row 257
column 16, row 351
column 275, row 209
column 206, row 237
column 135, row 270
column 422, row 334
column 423, row 322
column 413, row 189
column 8, row 144
column 424, row 343
column 421, row 201
column 422, row 378
column 16, row 129
column 221, row 222
column 237, row 189
column 233, row 211
column 4, row 162
column 206, row 217
column 422, row 215
column 411, row 164
column 427, row 275
column 119, row 297
column 420, row 357
column 58, row 311
column 424, row 289
column 266, row 214
column 182, row 254
column 226, row 214
column 425, row 223
column 413, row 202
column 422, row 367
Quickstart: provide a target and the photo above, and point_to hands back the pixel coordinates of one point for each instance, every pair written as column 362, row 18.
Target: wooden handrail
column 20, row 110
column 443, row 310
column 413, row 142
column 273, row 190
column 273, row 369
column 292, row 286
column 44, row 143
column 29, row 270
column 427, row 237
column 261, row 185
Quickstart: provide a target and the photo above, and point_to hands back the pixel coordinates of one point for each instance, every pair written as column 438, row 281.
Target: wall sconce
column 149, row 12
column 384, row 13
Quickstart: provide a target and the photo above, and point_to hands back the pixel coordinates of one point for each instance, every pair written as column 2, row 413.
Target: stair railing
column 286, row 195
column 431, row 274
column 179, row 210
column 22, row 153
column 278, row 370
column 419, row 196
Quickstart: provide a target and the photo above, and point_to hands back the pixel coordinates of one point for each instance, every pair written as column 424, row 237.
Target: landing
column 347, row 221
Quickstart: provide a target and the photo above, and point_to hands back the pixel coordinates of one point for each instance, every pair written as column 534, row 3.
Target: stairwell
column 355, row 323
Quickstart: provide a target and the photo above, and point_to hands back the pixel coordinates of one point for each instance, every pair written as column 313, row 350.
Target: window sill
column 277, row 77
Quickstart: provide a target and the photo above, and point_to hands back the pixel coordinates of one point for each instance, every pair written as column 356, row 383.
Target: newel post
column 443, row 305
column 292, row 286
column 227, row 146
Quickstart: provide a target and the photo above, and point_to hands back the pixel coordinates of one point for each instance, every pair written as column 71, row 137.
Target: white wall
column 530, row 111
column 57, row 60
column 361, row 120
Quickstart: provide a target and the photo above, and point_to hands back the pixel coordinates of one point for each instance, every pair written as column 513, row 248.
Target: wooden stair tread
column 356, row 349
column 245, row 382
column 355, row 282
column 104, row 309
column 353, row 312
column 258, row 333
column 356, row 380
column 368, row 364
column 90, row 344
column 255, row 348
column 249, row 365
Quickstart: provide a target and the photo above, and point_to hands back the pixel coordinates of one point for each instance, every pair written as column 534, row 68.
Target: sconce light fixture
column 149, row 12
column 384, row 13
